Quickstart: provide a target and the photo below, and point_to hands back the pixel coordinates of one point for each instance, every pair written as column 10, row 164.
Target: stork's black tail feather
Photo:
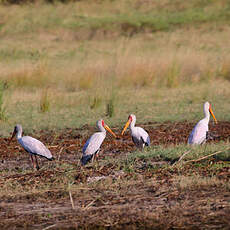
column 86, row 159
column 147, row 143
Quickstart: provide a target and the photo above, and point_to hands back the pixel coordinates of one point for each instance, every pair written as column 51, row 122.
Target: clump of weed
column 172, row 79
column 44, row 101
column 30, row 77
column 110, row 107
column 96, row 102
column 225, row 71
column 3, row 115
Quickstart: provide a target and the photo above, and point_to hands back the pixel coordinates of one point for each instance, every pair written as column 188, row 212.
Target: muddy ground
column 144, row 199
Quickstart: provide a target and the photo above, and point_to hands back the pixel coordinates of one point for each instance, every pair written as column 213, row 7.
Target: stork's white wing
column 143, row 134
column 140, row 136
column 35, row 146
column 93, row 144
column 198, row 134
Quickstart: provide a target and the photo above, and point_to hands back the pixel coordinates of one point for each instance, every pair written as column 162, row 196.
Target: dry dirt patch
column 144, row 199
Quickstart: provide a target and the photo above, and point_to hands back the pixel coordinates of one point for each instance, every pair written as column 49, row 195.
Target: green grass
column 3, row 111
column 74, row 109
column 72, row 16
column 146, row 159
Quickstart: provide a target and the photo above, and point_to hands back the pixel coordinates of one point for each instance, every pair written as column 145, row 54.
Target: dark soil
column 143, row 199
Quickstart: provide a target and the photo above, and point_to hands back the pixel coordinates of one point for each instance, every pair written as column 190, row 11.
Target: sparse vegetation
column 81, row 56
column 157, row 59
column 150, row 69
column 96, row 102
column 119, row 182
column 110, row 107
column 3, row 113
column 45, row 101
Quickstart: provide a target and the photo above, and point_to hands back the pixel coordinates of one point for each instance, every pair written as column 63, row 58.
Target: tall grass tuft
column 172, row 78
column 30, row 77
column 225, row 71
column 3, row 115
column 44, row 102
column 96, row 102
column 110, row 107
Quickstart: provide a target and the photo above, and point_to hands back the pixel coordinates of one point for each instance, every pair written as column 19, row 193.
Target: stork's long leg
column 37, row 166
column 32, row 159
column 95, row 155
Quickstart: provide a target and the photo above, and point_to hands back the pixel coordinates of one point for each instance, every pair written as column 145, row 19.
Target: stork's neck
column 102, row 129
column 19, row 135
column 206, row 115
column 132, row 124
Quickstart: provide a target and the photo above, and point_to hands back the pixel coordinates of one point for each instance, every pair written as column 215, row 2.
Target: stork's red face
column 210, row 110
column 103, row 123
column 130, row 118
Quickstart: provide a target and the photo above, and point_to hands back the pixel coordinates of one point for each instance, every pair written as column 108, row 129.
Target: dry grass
column 199, row 182
column 152, row 73
column 160, row 60
column 168, row 59
column 44, row 101
column 28, row 77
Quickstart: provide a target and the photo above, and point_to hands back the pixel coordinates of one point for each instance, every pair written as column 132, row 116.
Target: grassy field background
column 66, row 65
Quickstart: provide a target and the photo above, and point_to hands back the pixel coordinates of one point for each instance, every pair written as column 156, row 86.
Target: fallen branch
column 51, row 226
column 59, row 153
column 202, row 158
column 182, row 156
column 52, row 146
column 90, row 204
column 71, row 199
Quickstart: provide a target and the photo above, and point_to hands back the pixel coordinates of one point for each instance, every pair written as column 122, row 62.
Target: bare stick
column 202, row 158
column 71, row 199
column 59, row 154
column 182, row 156
column 49, row 227
column 52, row 146
column 90, row 204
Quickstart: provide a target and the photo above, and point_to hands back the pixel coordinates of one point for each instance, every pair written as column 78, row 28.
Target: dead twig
column 182, row 156
column 71, row 199
column 205, row 157
column 51, row 226
column 59, row 153
column 52, row 146
column 90, row 204
column 70, row 146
